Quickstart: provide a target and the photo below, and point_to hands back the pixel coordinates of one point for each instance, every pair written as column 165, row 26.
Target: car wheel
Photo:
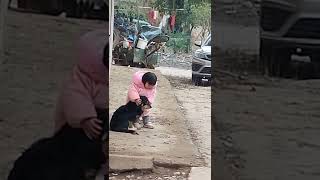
column 265, row 66
column 70, row 7
column 315, row 60
column 274, row 62
column 283, row 59
column 196, row 80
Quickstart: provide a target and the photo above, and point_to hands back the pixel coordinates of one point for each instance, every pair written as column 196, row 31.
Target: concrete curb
column 200, row 173
column 122, row 163
column 168, row 163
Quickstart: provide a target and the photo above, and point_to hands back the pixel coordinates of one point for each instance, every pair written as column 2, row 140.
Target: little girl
column 144, row 84
column 87, row 87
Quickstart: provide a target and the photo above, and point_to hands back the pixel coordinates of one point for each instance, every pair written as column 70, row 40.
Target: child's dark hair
column 149, row 78
column 106, row 55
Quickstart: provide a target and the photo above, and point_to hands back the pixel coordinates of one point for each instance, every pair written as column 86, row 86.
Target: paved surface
column 200, row 173
column 126, row 163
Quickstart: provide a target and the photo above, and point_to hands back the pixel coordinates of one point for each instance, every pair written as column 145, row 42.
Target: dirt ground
column 270, row 130
column 158, row 173
column 38, row 58
column 195, row 102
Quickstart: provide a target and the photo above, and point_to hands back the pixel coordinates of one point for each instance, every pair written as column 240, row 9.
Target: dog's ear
column 144, row 100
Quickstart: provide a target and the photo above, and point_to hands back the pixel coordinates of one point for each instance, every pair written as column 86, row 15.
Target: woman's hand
column 138, row 102
column 92, row 128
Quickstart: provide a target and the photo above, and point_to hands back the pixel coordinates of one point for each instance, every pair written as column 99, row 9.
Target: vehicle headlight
column 199, row 54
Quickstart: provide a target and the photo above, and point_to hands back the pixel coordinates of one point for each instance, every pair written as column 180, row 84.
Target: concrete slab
column 200, row 173
column 125, row 163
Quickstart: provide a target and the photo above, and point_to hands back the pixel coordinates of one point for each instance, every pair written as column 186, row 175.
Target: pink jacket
column 137, row 88
column 87, row 86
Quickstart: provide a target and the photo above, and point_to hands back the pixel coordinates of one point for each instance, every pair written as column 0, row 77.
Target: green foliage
column 160, row 4
column 179, row 42
column 197, row 13
column 195, row 2
column 130, row 10
column 201, row 17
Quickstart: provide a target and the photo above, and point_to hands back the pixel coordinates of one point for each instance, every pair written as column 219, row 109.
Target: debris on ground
column 158, row 173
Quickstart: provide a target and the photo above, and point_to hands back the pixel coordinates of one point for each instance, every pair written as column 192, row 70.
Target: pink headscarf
column 87, row 87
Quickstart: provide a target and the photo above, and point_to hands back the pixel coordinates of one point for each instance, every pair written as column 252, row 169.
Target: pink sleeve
column 152, row 95
column 77, row 103
column 133, row 93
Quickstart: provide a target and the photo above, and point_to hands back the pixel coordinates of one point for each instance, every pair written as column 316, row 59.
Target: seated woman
column 86, row 89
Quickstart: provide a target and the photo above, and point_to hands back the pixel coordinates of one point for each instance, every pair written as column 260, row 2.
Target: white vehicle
column 201, row 62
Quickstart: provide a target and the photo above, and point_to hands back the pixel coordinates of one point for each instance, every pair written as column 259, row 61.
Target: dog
column 128, row 114
column 68, row 154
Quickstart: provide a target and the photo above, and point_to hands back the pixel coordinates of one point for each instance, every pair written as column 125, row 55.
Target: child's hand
column 92, row 128
column 138, row 102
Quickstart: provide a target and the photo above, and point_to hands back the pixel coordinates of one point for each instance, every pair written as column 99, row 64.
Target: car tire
column 274, row 62
column 283, row 59
column 315, row 60
column 265, row 66
column 196, row 80
column 70, row 8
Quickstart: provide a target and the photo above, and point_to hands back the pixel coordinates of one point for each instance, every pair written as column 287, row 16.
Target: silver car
column 289, row 28
column 201, row 63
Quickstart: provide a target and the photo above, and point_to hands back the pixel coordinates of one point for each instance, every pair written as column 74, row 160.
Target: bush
column 179, row 42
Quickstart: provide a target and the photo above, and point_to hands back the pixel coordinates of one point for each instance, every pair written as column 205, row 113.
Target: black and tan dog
column 127, row 114
column 68, row 155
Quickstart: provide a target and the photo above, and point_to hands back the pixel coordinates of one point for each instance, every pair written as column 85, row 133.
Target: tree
column 130, row 9
column 160, row 4
column 200, row 16
column 196, row 13
column 195, row 2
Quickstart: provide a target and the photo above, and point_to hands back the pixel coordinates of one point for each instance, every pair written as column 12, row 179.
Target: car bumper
column 202, row 66
column 306, row 45
column 201, row 76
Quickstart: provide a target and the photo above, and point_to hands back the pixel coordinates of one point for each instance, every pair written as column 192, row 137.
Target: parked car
column 288, row 27
column 201, row 62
